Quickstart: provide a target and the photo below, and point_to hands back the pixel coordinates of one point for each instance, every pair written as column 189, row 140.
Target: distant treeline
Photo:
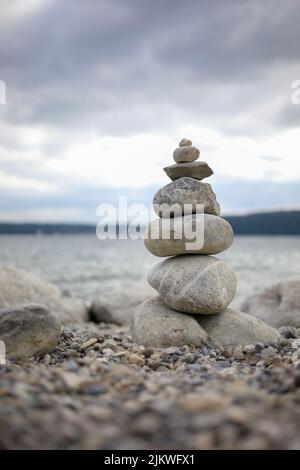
column 269, row 223
column 47, row 229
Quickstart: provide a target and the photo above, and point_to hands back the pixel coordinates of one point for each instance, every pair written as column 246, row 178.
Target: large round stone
column 278, row 305
column 186, row 153
column 21, row 287
column 154, row 324
column 196, row 170
column 185, row 196
column 232, row 328
column 194, row 284
column 169, row 237
column 116, row 305
column 28, row 330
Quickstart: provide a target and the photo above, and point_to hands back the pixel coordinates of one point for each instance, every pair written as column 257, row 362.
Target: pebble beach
column 99, row 390
column 178, row 370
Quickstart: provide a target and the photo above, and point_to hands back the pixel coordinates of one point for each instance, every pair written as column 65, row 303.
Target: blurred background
column 98, row 95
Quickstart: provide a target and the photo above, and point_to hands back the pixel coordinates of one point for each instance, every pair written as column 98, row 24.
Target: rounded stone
column 116, row 305
column 170, row 237
column 28, row 330
column 196, row 170
column 232, row 328
column 185, row 195
column 187, row 153
column 22, row 287
column 185, row 142
column 154, row 324
column 194, row 283
column 278, row 305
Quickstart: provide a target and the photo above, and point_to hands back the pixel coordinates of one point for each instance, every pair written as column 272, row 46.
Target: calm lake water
column 85, row 266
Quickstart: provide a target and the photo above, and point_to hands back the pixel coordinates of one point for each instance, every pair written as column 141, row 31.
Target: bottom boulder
column 154, row 324
column 232, row 328
column 157, row 325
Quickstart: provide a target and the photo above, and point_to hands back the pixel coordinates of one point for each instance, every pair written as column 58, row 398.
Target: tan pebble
column 237, row 414
column 227, row 353
column 47, row 359
column 149, row 351
column 71, row 380
column 121, row 354
column 102, row 361
column 88, row 343
column 260, row 363
column 135, row 359
column 227, row 372
column 276, row 361
column 238, row 353
column 108, row 352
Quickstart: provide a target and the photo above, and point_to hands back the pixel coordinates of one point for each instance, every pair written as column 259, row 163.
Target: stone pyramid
column 194, row 288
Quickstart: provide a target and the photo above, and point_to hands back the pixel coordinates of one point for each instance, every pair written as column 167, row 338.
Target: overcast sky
column 99, row 92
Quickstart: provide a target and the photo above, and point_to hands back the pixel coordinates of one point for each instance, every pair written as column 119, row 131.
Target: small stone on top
column 185, row 154
column 185, row 142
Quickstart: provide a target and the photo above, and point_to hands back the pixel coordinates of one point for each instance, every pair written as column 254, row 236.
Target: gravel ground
column 98, row 390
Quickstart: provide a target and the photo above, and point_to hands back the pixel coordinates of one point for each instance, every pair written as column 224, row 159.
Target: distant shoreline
column 266, row 223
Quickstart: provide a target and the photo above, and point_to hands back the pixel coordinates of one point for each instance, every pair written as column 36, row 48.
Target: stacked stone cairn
column 194, row 287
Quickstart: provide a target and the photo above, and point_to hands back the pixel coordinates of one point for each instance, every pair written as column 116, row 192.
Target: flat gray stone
column 194, row 283
column 154, row 324
column 187, row 153
column 185, row 194
column 215, row 235
column 232, row 328
column 21, row 287
column 28, row 330
column 278, row 305
column 196, row 170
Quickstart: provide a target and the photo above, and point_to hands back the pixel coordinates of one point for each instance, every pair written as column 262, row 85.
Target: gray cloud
column 122, row 66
